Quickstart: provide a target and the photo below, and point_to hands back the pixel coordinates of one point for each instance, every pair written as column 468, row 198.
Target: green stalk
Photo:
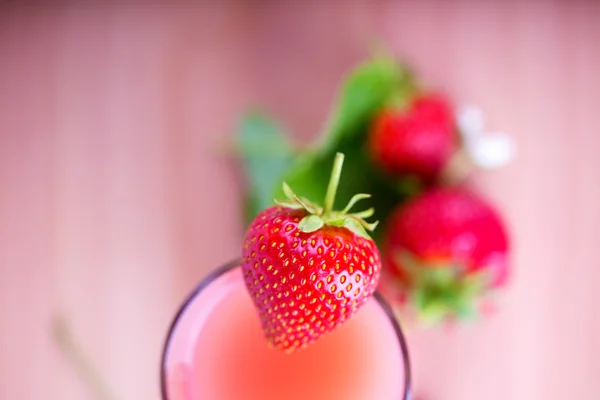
column 333, row 184
column 82, row 364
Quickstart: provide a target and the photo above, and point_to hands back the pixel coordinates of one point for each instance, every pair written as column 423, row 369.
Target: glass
column 215, row 344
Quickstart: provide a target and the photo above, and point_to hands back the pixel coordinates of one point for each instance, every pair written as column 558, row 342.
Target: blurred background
column 118, row 191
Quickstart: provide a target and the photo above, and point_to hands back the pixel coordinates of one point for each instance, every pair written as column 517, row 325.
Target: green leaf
column 366, row 90
column 270, row 159
column 310, row 223
column 356, row 228
column 337, row 222
column 409, row 185
column 432, row 311
column 355, row 199
column 288, row 204
column 287, row 191
column 267, row 155
column 365, row 214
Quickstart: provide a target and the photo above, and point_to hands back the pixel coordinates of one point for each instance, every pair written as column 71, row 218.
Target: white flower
column 488, row 150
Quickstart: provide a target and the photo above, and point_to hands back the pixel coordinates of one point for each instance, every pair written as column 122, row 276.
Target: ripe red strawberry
column 417, row 140
column 446, row 248
column 308, row 269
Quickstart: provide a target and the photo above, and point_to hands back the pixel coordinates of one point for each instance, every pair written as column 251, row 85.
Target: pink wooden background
column 117, row 196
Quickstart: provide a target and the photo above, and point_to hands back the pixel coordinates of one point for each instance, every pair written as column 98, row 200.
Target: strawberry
column 307, row 268
column 417, row 140
column 446, row 248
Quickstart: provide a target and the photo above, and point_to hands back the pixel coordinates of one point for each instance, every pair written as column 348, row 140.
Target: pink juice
column 216, row 351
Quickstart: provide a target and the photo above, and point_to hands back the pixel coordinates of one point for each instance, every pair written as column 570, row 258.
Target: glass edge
column 234, row 264
column 403, row 345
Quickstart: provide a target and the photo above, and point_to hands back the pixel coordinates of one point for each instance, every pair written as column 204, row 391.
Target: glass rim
column 213, row 275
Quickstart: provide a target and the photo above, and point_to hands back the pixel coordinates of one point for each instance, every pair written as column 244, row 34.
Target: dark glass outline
column 234, row 264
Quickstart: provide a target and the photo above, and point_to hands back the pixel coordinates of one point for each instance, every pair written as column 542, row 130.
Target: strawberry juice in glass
column 216, row 350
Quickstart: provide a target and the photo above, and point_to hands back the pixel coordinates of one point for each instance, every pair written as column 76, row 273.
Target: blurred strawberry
column 445, row 249
column 415, row 140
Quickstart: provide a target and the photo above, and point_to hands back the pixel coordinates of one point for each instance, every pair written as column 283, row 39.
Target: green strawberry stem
column 334, row 180
column 320, row 216
column 82, row 364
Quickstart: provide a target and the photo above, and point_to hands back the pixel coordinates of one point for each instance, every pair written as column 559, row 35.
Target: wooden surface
column 117, row 196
